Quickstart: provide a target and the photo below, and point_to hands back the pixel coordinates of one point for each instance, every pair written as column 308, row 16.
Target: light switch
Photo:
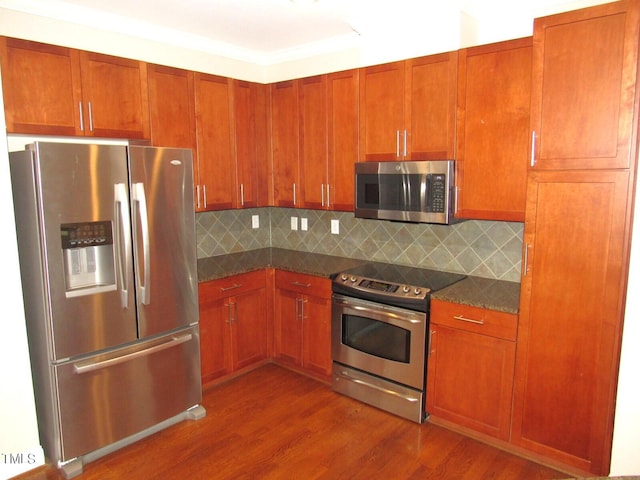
column 255, row 221
column 294, row 223
column 335, row 226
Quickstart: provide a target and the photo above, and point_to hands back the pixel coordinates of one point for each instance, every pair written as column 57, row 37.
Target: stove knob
column 353, row 279
column 344, row 277
column 406, row 289
column 417, row 291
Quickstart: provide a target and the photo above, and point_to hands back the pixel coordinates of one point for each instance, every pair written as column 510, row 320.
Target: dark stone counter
column 483, row 292
column 475, row 291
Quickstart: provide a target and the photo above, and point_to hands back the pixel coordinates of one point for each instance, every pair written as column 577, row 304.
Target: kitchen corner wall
column 482, row 248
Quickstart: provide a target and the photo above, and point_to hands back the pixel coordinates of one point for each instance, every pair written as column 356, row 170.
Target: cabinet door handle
column 232, row 287
column 525, row 265
column 322, row 194
column 242, row 194
column 81, row 116
column 90, row 117
column 198, row 196
column 405, row 144
column 533, row 148
column 398, row 143
column 431, row 334
column 294, row 193
column 328, row 197
column 468, row 320
column 204, row 196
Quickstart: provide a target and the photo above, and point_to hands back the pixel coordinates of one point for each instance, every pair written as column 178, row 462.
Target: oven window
column 376, row 338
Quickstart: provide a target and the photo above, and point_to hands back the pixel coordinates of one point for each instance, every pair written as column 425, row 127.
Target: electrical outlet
column 304, row 224
column 255, row 221
column 335, row 226
column 294, row 223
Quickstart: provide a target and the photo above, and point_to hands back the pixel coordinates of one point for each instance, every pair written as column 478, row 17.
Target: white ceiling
column 263, row 29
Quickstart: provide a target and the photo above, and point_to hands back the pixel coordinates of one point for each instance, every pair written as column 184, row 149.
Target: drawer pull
column 468, row 320
column 232, row 287
column 298, row 284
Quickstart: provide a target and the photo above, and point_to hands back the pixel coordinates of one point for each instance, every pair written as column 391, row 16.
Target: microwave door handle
column 123, row 240
column 140, row 199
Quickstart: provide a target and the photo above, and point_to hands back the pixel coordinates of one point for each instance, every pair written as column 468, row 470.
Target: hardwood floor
column 275, row 424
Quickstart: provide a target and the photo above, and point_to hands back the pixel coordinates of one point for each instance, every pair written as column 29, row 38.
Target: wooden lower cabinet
column 234, row 318
column 302, row 322
column 470, row 367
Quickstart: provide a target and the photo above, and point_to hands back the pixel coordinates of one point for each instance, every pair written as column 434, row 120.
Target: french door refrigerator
column 106, row 237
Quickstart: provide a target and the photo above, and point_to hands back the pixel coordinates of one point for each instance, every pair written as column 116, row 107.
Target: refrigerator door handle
column 123, row 240
column 85, row 367
column 140, row 198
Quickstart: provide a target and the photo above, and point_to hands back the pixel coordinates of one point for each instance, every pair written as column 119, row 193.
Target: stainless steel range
column 380, row 320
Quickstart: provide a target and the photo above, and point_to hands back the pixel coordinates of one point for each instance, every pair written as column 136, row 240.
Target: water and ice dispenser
column 89, row 257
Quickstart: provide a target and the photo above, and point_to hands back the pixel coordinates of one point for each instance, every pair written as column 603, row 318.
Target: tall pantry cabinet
column 577, row 229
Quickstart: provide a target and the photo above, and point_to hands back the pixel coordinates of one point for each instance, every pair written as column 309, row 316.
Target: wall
column 480, row 248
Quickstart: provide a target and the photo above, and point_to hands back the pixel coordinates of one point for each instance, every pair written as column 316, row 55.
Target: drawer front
column 302, row 283
column 474, row 319
column 233, row 285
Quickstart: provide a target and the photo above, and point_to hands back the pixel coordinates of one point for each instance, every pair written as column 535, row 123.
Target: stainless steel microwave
column 420, row 191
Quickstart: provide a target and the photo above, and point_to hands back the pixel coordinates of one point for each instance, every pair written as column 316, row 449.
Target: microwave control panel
column 437, row 192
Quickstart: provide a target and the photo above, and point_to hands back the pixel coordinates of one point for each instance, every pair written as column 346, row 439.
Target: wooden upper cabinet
column 343, row 140
column 61, row 91
column 571, row 311
column 407, row 109
column 116, row 101
column 584, row 77
column 382, row 112
column 494, row 96
column 250, row 116
column 172, row 107
column 285, row 143
column 216, row 183
column 313, row 142
column 41, row 85
column 430, row 107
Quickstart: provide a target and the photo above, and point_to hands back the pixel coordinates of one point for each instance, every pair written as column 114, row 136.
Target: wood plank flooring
column 275, row 424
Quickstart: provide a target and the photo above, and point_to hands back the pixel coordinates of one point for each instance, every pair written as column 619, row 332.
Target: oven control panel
column 358, row 283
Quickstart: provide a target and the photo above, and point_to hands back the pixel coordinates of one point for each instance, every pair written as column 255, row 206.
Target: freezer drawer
column 105, row 398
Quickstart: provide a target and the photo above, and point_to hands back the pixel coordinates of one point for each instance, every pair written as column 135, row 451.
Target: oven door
column 385, row 341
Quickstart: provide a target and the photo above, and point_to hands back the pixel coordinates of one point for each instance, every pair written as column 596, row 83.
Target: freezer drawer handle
column 82, row 367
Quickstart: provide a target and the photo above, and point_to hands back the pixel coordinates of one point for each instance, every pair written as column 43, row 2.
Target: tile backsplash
column 482, row 248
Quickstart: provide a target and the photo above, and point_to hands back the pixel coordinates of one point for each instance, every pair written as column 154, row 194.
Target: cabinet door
column 343, row 138
column 470, row 380
column 288, row 327
column 313, row 142
column 215, row 341
column 494, row 95
column 576, row 236
column 249, row 328
column 382, row 133
column 172, row 107
column 41, row 86
column 116, row 98
column 214, row 125
column 430, row 107
column 250, row 143
column 284, row 141
column 316, row 343
column 584, row 76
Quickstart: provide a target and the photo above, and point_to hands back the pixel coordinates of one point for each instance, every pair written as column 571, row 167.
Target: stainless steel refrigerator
column 106, row 237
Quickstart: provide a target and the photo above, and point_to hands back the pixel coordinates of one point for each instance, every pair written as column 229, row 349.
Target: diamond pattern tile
column 486, row 249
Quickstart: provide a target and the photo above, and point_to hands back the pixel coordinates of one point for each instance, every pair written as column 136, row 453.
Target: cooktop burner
column 397, row 285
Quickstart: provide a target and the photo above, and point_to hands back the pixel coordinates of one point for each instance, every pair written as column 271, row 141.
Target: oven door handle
column 376, row 312
column 346, row 375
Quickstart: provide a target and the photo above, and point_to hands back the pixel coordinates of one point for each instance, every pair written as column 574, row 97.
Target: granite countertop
column 475, row 291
